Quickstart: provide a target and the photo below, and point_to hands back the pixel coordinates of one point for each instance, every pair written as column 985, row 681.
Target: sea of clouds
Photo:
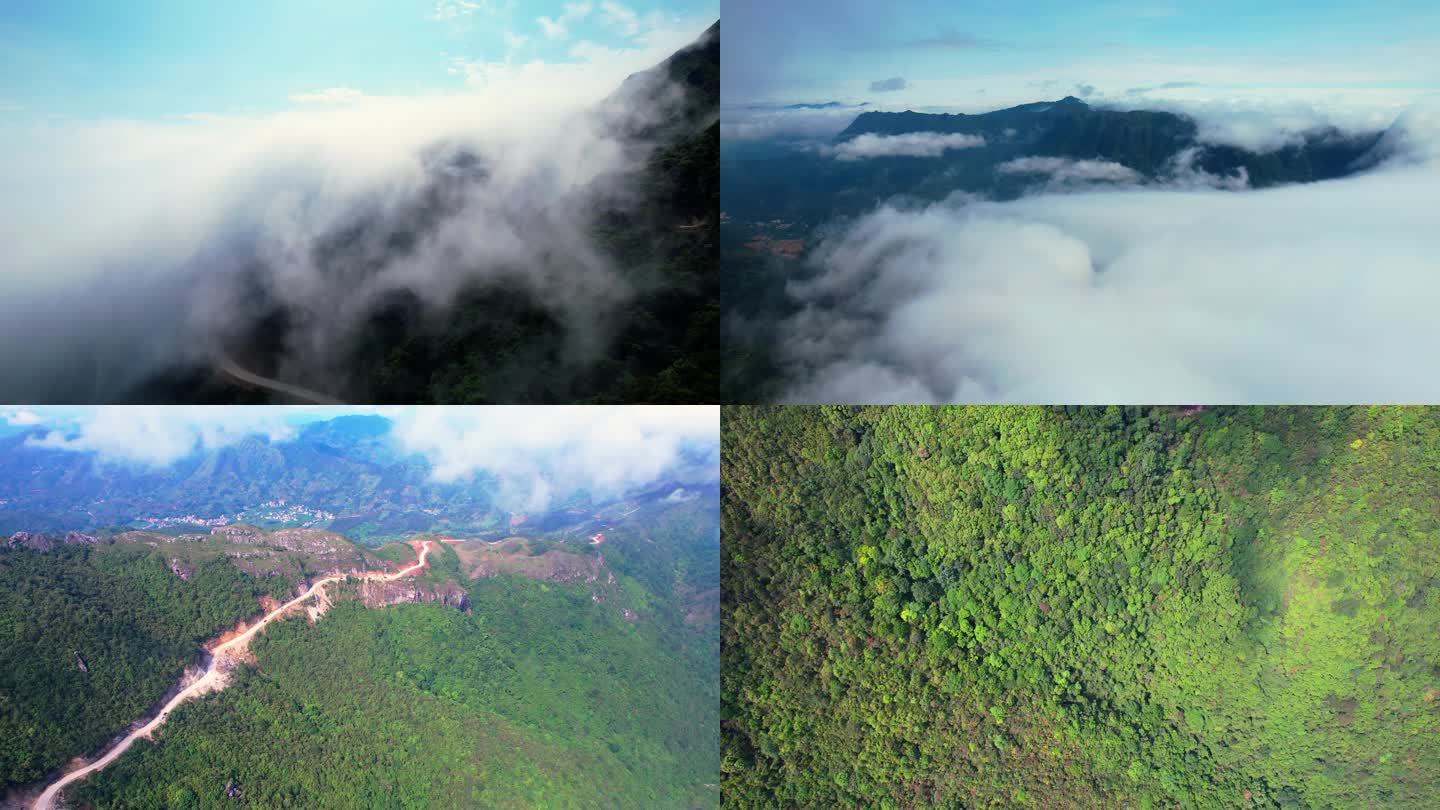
column 1187, row 292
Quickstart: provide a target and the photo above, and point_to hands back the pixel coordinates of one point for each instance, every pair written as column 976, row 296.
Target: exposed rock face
column 377, row 593
column 181, row 570
column 49, row 542
column 327, row 551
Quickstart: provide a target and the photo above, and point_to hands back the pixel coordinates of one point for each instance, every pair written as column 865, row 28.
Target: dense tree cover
column 539, row 697
column 1030, row 607
column 136, row 626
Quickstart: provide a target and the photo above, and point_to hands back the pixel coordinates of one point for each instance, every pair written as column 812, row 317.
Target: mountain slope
column 813, row 188
column 612, row 297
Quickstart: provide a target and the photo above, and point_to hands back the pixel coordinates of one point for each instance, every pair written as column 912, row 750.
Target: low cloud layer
column 888, row 85
column 910, row 144
column 811, row 122
column 1304, row 293
column 1065, row 170
column 137, row 246
column 538, row 454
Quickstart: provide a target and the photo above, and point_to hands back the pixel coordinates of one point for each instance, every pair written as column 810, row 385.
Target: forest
column 1080, row 607
column 121, row 611
column 539, row 697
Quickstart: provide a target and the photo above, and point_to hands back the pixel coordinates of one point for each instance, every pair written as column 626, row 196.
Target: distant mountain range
column 812, row 186
column 344, row 474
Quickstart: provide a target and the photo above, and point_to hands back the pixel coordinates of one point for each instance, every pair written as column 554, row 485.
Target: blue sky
column 949, row 53
column 155, row 58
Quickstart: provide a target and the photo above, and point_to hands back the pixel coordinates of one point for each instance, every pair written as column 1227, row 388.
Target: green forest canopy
column 1081, row 607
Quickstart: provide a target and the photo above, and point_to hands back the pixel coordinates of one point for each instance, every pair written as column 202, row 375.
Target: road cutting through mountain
column 213, row 677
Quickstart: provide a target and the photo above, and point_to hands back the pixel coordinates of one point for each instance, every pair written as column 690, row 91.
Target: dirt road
column 211, row 679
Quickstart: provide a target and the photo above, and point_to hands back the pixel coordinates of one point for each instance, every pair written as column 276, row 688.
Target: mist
column 137, row 249
column 1191, row 292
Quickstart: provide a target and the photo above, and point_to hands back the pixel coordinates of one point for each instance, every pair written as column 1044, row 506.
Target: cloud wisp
column 910, row 144
column 1304, row 293
column 1063, row 171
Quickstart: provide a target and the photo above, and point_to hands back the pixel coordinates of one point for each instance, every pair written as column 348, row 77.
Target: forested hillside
column 1034, row 607
column 91, row 638
column 547, row 670
column 540, row 697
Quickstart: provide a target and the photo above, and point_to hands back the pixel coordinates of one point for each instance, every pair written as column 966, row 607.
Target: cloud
column 535, row 455
column 21, row 417
column 159, row 436
column 763, row 122
column 330, row 95
column 140, row 246
column 1135, row 91
column 1084, row 90
column 910, row 144
column 1183, row 173
column 451, row 10
column 1065, row 170
column 538, row 453
column 887, row 85
column 558, row 27
column 1307, row 293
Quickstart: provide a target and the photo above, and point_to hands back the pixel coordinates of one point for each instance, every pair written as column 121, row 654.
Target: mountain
column 345, row 474
column 813, row 187
column 649, row 334
column 542, row 670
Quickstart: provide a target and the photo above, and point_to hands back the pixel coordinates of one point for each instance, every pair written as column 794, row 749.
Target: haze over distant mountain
column 917, row 155
column 351, row 474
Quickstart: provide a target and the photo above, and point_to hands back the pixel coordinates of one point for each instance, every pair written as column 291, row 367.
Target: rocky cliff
column 378, row 593
column 49, row 542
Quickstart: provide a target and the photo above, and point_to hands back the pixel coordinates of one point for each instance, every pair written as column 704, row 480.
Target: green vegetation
column 539, row 697
column 133, row 622
column 1030, row 607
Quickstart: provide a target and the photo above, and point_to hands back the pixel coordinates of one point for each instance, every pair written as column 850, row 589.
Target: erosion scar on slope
column 210, row 680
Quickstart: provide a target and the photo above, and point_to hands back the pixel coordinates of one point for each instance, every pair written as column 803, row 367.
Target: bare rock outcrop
column 378, row 593
column 36, row 541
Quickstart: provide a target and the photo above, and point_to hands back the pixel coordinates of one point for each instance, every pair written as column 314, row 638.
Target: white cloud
column 558, row 27
column 536, row 453
column 910, row 144
column 159, row 436
column 1067, row 171
column 1318, row 292
column 1183, row 173
column 125, row 238
column 755, row 123
column 21, row 417
column 330, row 95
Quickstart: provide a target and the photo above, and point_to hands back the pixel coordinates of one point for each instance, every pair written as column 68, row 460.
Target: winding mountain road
column 212, row 678
column 235, row 371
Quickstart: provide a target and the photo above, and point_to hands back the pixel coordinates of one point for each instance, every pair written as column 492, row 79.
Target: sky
column 980, row 55
column 152, row 59
column 534, row 452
